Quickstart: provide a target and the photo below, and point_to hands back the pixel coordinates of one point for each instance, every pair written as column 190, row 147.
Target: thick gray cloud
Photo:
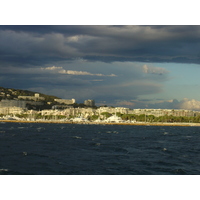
column 40, row 44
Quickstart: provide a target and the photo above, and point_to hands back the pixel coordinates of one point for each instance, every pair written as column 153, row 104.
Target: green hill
column 10, row 93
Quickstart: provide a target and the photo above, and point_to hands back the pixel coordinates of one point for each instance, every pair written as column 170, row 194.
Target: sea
column 88, row 149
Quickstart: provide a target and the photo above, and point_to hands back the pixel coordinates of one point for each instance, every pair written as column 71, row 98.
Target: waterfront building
column 163, row 112
column 70, row 112
column 112, row 110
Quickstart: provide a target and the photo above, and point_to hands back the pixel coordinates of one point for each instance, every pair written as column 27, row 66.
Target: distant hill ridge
column 11, row 93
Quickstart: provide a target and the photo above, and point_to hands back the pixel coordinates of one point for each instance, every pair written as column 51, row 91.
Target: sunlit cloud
column 71, row 72
column 154, row 70
column 190, row 104
column 52, row 68
column 185, row 104
column 60, row 70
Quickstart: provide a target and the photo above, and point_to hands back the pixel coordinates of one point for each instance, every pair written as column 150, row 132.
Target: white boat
column 114, row 119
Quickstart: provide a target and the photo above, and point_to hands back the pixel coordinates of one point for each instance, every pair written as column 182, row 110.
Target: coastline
column 103, row 123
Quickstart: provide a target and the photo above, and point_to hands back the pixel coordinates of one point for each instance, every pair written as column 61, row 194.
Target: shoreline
column 103, row 123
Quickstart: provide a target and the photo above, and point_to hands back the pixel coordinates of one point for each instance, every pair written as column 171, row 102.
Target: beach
column 104, row 123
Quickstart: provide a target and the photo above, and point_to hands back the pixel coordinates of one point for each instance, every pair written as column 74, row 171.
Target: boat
column 114, row 119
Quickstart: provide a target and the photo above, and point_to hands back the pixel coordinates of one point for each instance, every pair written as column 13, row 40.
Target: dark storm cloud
column 37, row 45
column 40, row 29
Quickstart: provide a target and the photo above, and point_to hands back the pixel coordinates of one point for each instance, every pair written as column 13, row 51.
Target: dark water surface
column 74, row 149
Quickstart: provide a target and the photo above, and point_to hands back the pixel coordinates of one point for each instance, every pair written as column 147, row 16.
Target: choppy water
column 98, row 149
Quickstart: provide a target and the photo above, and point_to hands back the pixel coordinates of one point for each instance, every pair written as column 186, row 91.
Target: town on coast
column 17, row 106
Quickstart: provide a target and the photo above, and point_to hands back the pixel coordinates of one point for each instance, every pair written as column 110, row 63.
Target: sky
column 130, row 66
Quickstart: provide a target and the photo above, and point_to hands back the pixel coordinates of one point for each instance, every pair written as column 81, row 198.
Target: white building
column 121, row 110
column 35, row 98
column 162, row 112
column 65, row 101
column 12, row 103
column 11, row 110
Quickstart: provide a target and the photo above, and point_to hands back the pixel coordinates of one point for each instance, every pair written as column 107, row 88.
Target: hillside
column 10, row 93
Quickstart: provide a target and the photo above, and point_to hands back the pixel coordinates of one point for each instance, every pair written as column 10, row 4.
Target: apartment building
column 65, row 101
column 34, row 98
column 162, row 112
column 11, row 110
column 12, row 103
column 111, row 110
